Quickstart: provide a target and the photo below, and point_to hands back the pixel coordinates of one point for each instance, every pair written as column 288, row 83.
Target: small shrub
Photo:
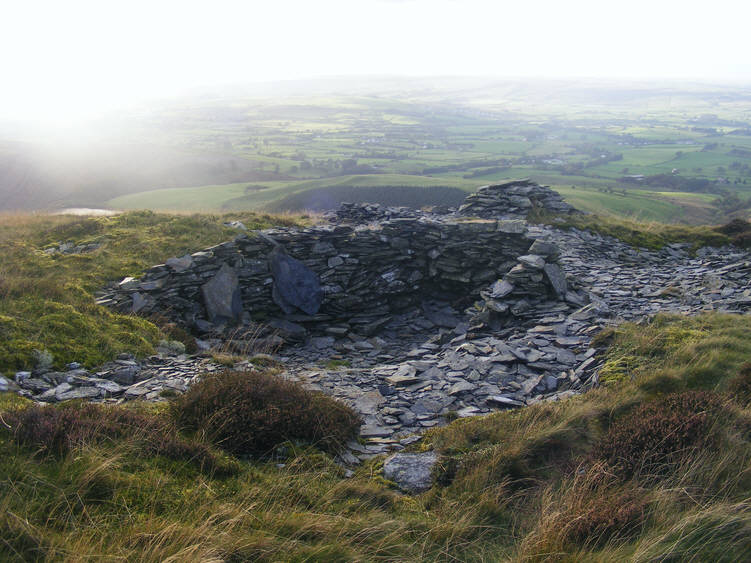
column 249, row 413
column 743, row 240
column 224, row 359
column 734, row 227
column 264, row 361
column 56, row 431
column 739, row 232
column 174, row 333
column 659, row 433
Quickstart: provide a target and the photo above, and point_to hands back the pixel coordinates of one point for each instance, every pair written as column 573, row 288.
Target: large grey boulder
column 221, row 295
column 295, row 285
column 413, row 473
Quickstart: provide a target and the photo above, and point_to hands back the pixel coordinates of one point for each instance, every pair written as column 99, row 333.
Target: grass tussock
column 46, row 299
column 654, row 466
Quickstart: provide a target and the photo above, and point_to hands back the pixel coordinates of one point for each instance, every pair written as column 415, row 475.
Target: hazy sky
column 70, row 58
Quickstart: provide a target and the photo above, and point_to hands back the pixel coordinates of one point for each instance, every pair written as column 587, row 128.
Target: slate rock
column 87, row 392
column 295, row 285
column 289, row 330
column 503, row 401
column 139, row 302
column 543, row 248
column 35, row 385
column 374, row 431
column 557, row 280
column 109, row 387
column 125, row 375
column 533, row 261
column 413, row 473
column 407, row 418
column 21, row 376
column 221, row 295
column 501, row 289
column 180, row 264
column 368, row 402
column 322, row 342
column 441, row 316
column 461, row 386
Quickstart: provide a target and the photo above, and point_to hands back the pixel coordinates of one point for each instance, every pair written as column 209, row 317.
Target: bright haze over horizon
column 68, row 61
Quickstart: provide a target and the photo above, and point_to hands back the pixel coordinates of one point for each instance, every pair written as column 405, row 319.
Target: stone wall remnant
column 353, row 274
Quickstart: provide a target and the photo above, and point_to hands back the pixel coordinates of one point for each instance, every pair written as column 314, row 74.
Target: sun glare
column 67, row 61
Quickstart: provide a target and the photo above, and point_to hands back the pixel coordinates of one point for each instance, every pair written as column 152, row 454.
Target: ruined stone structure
column 354, row 274
column 533, row 297
column 513, row 199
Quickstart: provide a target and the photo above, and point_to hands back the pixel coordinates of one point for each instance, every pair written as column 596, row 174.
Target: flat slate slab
column 221, row 295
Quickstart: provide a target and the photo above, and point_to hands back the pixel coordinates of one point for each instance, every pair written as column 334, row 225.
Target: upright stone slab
column 295, row 285
column 221, row 295
column 557, row 280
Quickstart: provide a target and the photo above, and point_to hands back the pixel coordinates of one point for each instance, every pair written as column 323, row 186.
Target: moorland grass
column 47, row 300
column 641, row 234
column 536, row 484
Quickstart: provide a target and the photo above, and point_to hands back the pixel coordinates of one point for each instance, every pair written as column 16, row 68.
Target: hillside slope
column 653, row 467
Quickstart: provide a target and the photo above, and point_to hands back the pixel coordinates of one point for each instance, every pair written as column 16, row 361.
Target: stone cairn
column 351, row 277
column 513, row 200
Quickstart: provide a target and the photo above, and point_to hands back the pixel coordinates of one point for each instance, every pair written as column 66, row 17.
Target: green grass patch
column 336, row 364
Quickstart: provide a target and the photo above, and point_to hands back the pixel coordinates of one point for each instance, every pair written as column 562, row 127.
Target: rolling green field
column 235, row 197
column 672, row 156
